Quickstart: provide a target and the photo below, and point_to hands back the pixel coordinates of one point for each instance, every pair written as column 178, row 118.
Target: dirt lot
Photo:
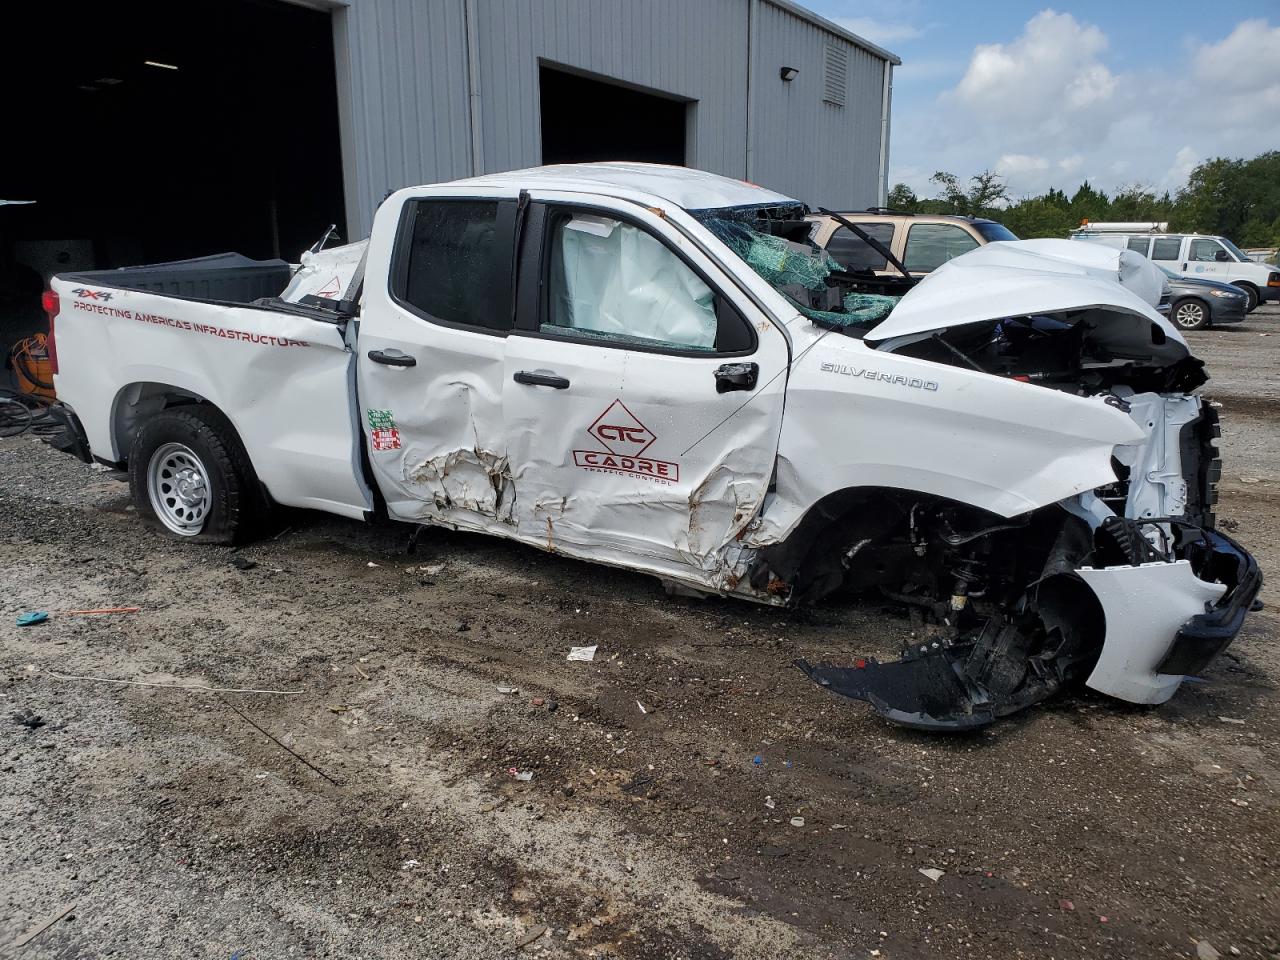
column 372, row 813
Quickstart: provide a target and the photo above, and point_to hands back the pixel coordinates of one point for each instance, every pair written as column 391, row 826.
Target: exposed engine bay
column 1008, row 610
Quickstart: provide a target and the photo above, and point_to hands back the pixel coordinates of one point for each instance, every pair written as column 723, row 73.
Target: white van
column 1190, row 254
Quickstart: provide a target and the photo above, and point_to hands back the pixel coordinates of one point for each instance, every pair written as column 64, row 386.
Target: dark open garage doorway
column 161, row 131
column 589, row 120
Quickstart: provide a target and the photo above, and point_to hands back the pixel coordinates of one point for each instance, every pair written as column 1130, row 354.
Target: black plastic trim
column 1206, row 635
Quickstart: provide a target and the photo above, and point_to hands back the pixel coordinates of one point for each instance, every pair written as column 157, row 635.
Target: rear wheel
column 190, row 473
column 1190, row 314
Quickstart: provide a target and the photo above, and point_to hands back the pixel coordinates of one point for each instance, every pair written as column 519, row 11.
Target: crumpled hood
column 1024, row 277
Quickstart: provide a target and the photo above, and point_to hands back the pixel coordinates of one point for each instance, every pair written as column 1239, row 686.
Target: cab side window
column 1205, row 251
column 457, row 267
column 854, row 253
column 612, row 281
column 1165, row 248
column 930, row 245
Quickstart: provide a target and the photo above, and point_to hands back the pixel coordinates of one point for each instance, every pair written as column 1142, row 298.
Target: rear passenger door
column 643, row 391
column 432, row 342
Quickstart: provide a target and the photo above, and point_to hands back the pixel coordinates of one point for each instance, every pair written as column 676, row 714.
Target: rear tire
column 190, row 474
column 1252, row 294
column 1190, row 314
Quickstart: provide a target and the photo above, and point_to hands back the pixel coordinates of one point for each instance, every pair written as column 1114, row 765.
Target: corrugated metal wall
column 814, row 151
column 405, row 116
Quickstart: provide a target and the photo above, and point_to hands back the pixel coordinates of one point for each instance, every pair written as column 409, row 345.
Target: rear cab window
column 930, row 245
column 1140, row 244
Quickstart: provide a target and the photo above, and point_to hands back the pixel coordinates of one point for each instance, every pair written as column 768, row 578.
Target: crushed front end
column 1127, row 587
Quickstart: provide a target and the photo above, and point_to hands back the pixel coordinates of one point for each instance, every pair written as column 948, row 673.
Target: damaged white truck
column 652, row 368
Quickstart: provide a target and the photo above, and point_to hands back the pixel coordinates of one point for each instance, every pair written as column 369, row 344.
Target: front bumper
column 1167, row 620
column 1268, row 293
column 1224, row 310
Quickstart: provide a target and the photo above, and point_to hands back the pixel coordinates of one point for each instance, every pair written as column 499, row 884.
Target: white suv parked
column 1193, row 255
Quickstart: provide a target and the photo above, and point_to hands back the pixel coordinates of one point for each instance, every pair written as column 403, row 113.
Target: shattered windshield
column 806, row 275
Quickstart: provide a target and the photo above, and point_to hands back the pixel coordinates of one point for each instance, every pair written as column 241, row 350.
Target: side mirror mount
column 1221, row 257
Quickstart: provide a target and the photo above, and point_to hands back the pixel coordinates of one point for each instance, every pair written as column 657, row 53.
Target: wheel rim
column 1190, row 315
column 178, row 486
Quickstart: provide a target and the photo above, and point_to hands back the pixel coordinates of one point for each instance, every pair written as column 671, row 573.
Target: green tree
column 903, row 198
column 985, row 194
column 1037, row 217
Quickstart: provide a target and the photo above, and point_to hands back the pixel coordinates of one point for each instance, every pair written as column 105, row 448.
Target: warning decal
column 383, row 434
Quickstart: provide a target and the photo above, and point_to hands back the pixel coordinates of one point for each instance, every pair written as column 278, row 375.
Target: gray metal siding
column 804, row 147
column 694, row 51
column 404, row 101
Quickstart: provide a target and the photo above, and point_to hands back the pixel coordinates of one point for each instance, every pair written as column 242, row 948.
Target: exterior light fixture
column 162, row 66
column 788, row 73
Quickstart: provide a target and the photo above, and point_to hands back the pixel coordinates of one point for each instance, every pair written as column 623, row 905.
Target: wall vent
column 835, row 73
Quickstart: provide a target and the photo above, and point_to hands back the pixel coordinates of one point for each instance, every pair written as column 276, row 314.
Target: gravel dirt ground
column 370, row 812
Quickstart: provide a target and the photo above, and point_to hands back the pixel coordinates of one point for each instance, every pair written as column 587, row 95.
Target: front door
column 1208, row 260
column 643, row 393
column 432, row 359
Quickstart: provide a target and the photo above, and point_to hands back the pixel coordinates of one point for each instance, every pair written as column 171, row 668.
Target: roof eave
column 798, row 11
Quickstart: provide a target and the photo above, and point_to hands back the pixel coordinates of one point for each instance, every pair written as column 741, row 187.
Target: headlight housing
column 1231, row 294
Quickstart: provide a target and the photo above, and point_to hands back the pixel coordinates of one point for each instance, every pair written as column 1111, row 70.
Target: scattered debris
column 507, row 690
column 44, row 925
column 640, row 785
column 582, row 653
column 1066, row 905
column 372, row 564
column 641, row 706
column 524, row 776
column 933, row 873
column 409, row 865
column 32, row 618
column 797, row 821
column 1205, row 951
column 1231, row 720
column 537, row 701
column 243, row 563
column 432, row 569
column 768, row 802
column 757, row 760
column 339, row 709
column 361, row 672
column 32, row 721
column 536, row 932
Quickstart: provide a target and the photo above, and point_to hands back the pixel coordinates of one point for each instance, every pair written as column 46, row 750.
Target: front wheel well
column 1251, row 288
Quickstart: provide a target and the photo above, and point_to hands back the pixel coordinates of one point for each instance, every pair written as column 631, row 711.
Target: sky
column 1119, row 93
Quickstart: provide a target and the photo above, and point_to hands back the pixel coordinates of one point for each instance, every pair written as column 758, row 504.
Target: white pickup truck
column 651, row 367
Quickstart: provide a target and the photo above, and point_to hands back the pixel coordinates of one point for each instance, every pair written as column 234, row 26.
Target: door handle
column 736, row 376
column 535, row 379
column 392, row 358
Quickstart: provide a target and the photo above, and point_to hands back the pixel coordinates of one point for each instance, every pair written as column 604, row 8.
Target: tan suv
column 922, row 241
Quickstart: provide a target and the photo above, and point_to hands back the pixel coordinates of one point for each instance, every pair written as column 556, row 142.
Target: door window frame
column 906, row 245
column 533, row 296
column 398, row 277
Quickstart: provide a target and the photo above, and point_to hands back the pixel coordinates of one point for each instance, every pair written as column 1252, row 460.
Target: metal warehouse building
column 177, row 129
column 695, row 82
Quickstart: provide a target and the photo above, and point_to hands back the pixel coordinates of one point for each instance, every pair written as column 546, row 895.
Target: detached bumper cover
column 1167, row 620
column 1207, row 634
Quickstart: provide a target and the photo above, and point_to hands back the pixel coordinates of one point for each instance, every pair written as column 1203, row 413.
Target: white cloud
column 1053, row 106
column 883, row 32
